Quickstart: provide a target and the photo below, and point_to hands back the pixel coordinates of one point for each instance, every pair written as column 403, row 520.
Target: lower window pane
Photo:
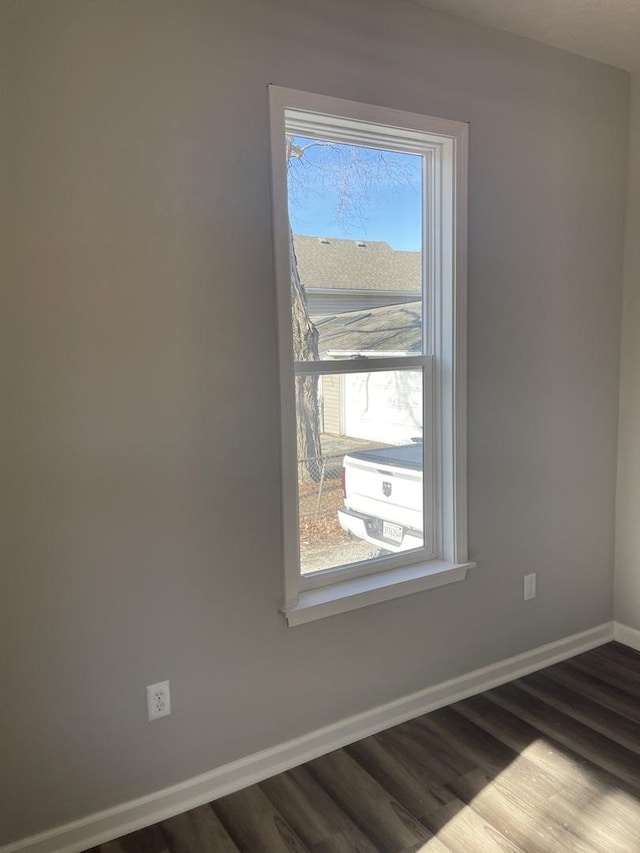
column 360, row 466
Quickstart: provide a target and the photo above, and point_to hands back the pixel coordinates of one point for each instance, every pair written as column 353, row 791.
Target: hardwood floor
column 548, row 763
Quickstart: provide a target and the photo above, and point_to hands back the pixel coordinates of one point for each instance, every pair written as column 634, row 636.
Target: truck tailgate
column 389, row 492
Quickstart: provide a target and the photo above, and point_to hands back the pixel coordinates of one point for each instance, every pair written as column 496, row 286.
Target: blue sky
column 357, row 193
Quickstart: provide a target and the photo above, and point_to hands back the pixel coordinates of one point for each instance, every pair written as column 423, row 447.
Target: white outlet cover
column 158, row 700
column 529, row 586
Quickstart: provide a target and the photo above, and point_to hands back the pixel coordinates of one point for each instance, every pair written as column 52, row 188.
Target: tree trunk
column 305, row 348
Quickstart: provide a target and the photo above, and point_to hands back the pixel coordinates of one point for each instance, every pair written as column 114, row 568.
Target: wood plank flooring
column 550, row 762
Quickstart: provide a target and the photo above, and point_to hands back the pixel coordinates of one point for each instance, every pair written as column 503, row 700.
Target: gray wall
column 144, row 525
column 627, row 570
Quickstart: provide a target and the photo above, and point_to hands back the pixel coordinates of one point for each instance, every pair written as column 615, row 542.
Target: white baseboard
column 622, row 634
column 136, row 814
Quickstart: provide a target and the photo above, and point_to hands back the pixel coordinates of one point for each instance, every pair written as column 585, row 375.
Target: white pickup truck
column 383, row 496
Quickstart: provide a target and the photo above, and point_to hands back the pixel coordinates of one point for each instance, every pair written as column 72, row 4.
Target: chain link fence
column 320, row 486
column 323, row 542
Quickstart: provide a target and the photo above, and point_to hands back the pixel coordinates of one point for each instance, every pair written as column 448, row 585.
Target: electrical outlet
column 158, row 700
column 529, row 587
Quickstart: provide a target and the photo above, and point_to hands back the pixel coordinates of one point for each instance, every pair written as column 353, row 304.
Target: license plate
column 392, row 531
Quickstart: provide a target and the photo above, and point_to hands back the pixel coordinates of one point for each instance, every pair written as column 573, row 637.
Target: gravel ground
column 322, row 556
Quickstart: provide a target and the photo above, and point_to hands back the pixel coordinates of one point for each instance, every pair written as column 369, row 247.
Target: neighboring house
column 360, row 405
column 364, row 298
column 349, row 275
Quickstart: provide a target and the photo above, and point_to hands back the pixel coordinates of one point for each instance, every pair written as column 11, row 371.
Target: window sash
column 432, row 176
column 349, row 130
column 430, row 497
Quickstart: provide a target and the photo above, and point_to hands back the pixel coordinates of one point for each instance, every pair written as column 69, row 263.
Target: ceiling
column 605, row 30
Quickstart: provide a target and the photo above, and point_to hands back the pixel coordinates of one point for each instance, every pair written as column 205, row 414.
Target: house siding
column 331, row 405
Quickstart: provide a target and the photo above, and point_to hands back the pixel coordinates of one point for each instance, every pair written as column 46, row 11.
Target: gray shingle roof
column 390, row 328
column 356, row 265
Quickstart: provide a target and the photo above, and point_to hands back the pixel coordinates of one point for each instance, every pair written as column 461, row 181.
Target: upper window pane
column 357, row 255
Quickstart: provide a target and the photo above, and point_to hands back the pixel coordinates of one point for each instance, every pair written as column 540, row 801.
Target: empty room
column 321, row 396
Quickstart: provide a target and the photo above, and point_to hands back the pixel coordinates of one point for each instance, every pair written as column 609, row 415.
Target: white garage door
column 384, row 406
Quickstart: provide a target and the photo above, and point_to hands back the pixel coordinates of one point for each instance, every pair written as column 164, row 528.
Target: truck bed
column 402, row 456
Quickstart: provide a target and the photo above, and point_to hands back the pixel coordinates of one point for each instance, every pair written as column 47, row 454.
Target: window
column 369, row 208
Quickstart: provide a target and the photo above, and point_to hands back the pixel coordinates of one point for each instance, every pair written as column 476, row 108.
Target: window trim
column 399, row 574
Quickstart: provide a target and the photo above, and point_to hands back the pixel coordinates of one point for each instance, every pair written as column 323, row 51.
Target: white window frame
column 443, row 362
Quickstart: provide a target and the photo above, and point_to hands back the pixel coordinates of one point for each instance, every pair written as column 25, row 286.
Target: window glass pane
column 356, row 249
column 360, row 487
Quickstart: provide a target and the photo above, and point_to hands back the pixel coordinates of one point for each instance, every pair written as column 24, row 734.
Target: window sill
column 350, row 595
